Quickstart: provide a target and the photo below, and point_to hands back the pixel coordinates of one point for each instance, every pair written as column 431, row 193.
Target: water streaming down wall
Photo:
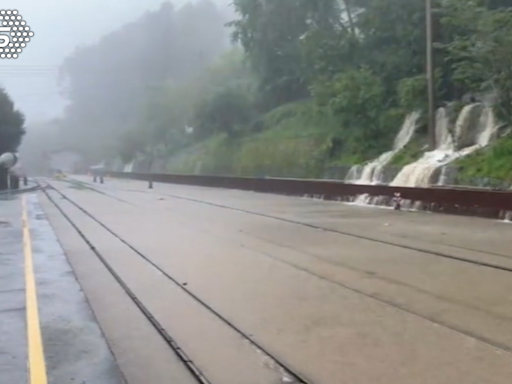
column 373, row 171
column 474, row 128
column 129, row 167
column 354, row 173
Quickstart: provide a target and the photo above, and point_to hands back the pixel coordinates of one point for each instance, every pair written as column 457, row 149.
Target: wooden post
column 430, row 77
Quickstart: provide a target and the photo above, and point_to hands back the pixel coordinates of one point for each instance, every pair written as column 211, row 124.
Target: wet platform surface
column 13, row 354
column 339, row 293
column 48, row 333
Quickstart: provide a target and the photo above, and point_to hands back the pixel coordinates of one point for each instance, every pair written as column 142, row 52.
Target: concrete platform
column 336, row 291
column 48, row 333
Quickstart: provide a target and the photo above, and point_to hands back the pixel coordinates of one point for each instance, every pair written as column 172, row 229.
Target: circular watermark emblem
column 14, row 34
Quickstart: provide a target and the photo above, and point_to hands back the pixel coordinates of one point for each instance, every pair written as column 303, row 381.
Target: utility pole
column 430, row 78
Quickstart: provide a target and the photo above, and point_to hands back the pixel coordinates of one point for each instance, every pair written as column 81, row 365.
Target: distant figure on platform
column 397, row 202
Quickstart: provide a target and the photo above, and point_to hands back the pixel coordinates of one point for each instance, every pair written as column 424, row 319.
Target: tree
column 358, row 99
column 11, row 124
column 270, row 33
column 227, row 110
column 109, row 84
column 480, row 57
column 218, row 100
column 358, row 64
column 497, row 4
column 393, row 38
column 130, row 144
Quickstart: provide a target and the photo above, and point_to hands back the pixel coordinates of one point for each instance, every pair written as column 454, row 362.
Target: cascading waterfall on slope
column 354, row 173
column 373, row 172
column 475, row 128
column 129, row 167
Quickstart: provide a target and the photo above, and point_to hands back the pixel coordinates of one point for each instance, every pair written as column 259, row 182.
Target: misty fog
column 60, row 26
column 58, row 78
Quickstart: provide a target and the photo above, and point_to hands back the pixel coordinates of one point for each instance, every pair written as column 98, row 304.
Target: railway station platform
column 202, row 285
column 48, row 333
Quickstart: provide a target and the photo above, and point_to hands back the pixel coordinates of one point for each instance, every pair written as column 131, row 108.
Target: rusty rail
column 473, row 202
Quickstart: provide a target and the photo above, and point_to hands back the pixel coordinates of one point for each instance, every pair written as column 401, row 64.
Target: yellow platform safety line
column 36, row 359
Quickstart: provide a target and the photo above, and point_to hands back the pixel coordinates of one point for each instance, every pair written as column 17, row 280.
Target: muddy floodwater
column 334, row 292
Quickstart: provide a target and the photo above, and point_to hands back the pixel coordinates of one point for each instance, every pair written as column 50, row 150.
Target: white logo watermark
column 14, row 34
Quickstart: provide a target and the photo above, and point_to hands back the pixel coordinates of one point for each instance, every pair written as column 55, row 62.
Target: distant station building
column 65, row 161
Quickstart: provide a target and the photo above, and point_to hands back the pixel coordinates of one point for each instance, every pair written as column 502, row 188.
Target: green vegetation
column 11, row 124
column 309, row 83
column 290, row 143
column 493, row 163
column 11, row 131
column 213, row 156
column 410, row 153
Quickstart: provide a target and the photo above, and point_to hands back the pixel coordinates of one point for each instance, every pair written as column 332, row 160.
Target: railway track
column 291, row 376
column 296, row 376
column 362, row 237
column 349, row 234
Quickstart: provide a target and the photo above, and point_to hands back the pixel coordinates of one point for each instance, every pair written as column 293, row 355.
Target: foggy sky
column 59, row 26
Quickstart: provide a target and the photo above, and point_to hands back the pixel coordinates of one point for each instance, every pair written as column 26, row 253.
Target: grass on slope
column 296, row 140
column 295, row 143
column 410, row 153
column 493, row 162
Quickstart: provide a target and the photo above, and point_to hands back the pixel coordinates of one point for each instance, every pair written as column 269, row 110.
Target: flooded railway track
column 424, row 251
column 289, row 375
column 297, row 377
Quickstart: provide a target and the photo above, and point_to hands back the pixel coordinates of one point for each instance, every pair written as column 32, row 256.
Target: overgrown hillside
column 306, row 85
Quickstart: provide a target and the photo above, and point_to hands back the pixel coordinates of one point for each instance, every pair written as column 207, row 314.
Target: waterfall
column 444, row 138
column 475, row 128
column 129, row 167
column 488, row 126
column 373, row 171
column 443, row 177
column 354, row 173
